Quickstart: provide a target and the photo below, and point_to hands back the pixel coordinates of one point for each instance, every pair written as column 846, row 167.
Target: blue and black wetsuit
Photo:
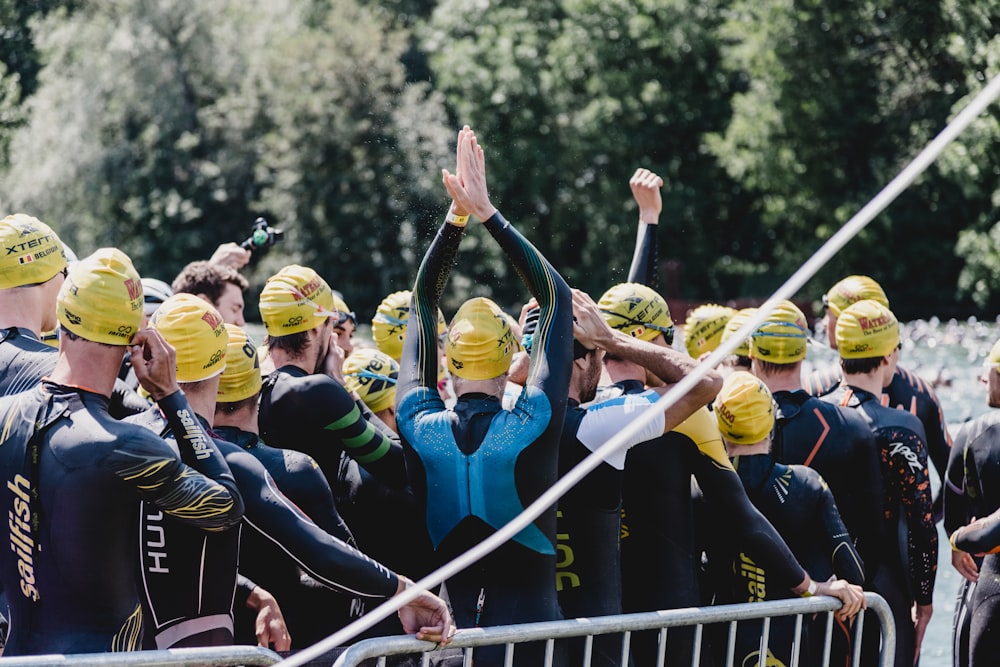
column 908, row 562
column 477, row 466
column 71, row 570
column 798, row 503
column 973, row 490
column 313, row 413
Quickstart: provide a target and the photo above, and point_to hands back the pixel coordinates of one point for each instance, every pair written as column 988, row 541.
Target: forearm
column 644, row 260
column 418, row 363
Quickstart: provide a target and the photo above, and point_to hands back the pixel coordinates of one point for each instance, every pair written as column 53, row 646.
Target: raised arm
column 645, row 186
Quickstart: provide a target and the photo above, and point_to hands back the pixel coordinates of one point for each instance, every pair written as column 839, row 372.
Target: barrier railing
column 221, row 656
column 510, row 635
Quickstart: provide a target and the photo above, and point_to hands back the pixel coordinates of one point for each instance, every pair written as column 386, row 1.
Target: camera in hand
column 262, row 236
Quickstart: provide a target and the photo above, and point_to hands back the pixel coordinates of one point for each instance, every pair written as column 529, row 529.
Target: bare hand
column 154, row 361
column 270, row 623
column 333, row 362
column 428, row 617
column 965, row 564
column 645, row 187
column 851, row 595
column 921, row 616
column 231, row 254
column 468, row 188
column 589, row 326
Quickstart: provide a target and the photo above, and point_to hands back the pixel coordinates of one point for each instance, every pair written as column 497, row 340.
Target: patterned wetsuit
column 796, row 500
column 475, row 467
column 73, row 579
column 908, row 562
column 907, row 391
column 973, row 490
column 204, row 604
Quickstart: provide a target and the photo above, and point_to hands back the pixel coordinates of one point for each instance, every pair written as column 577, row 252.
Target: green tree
column 165, row 128
column 569, row 98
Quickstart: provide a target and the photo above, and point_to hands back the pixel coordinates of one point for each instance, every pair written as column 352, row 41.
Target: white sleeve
column 605, row 420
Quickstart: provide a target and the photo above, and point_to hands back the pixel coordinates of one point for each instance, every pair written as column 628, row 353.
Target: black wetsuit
column 661, row 545
column 839, row 444
column 589, row 518
column 313, row 413
column 908, row 562
column 298, row 476
column 324, row 557
column 797, row 502
column 973, row 490
column 907, row 391
column 475, row 467
column 25, row 360
column 74, row 578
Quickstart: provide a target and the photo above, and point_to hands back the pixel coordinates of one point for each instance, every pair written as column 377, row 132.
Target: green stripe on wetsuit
column 357, row 443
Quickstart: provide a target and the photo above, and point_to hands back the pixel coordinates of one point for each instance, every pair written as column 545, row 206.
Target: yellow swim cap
column 101, row 299
column 866, row 329
column 993, row 359
column 480, row 343
column 744, row 409
column 740, row 318
column 196, row 330
column 295, row 299
column 372, row 374
column 241, row 376
column 31, row 252
column 638, row 311
column 782, row 338
column 389, row 323
column 704, row 327
column 851, row 290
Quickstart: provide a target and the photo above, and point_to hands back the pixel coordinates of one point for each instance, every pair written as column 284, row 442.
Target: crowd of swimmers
column 172, row 482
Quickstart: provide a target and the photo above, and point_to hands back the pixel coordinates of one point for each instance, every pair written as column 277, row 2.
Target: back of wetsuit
column 839, row 444
column 73, row 580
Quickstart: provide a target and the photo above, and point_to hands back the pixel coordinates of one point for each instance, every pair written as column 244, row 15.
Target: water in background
column 950, row 356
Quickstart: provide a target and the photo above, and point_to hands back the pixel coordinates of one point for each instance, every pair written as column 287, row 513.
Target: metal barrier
column 698, row 617
column 222, row 656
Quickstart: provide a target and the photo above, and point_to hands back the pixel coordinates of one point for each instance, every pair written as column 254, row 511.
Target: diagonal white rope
column 850, row 229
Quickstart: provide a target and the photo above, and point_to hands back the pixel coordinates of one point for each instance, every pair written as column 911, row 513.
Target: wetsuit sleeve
column 907, row 460
column 244, row 587
column 938, row 438
column 418, row 365
column 844, row 558
column 644, row 259
column 324, row 557
column 722, row 489
column 308, row 487
column 953, row 487
column 552, row 350
column 980, row 536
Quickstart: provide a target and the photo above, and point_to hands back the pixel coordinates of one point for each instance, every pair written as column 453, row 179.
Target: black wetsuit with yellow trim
column 661, row 556
column 589, row 519
column 72, row 576
column 908, row 562
column 475, row 467
column 313, row 413
column 798, row 503
column 907, row 391
column 973, row 491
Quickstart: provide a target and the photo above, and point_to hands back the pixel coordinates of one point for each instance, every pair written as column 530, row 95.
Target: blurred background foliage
column 166, row 127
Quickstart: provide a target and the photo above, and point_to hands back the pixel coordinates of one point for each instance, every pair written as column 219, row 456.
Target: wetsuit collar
column 238, row 436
